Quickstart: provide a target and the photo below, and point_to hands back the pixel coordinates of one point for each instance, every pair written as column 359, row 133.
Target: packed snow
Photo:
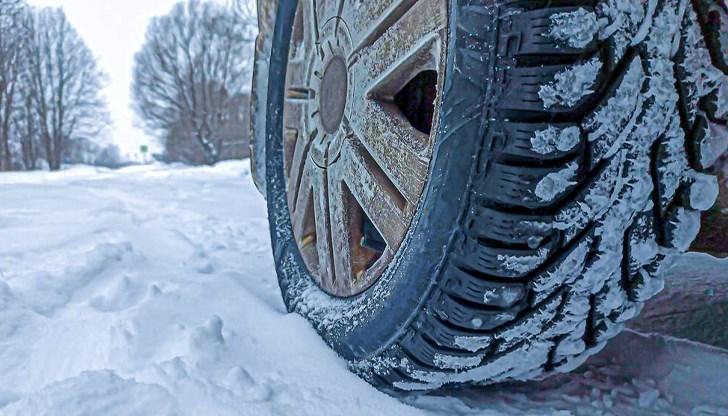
column 571, row 85
column 556, row 183
column 553, row 139
column 151, row 291
column 577, row 28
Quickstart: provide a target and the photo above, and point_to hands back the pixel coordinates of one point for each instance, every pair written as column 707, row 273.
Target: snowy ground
column 151, row 291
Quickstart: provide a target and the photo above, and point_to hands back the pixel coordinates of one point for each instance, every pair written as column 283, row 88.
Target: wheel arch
column 259, row 92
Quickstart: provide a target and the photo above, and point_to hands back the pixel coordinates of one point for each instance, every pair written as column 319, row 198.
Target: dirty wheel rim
column 362, row 87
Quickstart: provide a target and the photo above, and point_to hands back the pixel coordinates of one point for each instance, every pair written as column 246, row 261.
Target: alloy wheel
column 362, row 88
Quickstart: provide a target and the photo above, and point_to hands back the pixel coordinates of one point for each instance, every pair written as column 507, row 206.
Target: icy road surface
column 151, row 291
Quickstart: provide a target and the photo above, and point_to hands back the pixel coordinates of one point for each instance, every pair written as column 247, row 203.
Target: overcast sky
column 114, row 30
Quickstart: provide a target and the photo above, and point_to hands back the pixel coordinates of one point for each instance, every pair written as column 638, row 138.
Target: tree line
column 51, row 107
column 190, row 89
column 191, row 80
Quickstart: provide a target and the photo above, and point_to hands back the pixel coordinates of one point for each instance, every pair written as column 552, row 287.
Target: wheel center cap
column 332, row 95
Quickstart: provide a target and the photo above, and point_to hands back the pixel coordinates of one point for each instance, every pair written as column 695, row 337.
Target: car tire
column 571, row 161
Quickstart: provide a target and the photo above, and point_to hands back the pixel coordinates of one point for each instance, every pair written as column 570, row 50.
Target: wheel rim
column 362, row 86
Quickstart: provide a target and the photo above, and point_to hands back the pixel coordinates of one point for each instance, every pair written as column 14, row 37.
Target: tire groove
column 710, row 40
column 596, row 99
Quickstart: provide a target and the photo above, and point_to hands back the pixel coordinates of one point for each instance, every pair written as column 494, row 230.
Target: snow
column 622, row 20
column 556, row 183
column 522, row 264
column 704, row 190
column 714, row 146
column 473, row 344
column 155, row 283
column 685, row 228
column 722, row 101
column 457, row 363
column 151, row 291
column 571, row 85
column 701, row 79
column 577, row 28
column 636, row 375
column 675, row 163
column 104, row 392
column 609, row 126
column 553, row 139
column 566, row 273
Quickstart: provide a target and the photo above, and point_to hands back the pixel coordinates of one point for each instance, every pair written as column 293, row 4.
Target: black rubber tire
column 528, row 254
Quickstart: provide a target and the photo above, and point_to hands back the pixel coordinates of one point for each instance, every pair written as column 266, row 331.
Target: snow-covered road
column 151, row 291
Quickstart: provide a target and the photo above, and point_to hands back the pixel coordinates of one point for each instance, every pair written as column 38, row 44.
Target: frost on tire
column 571, row 160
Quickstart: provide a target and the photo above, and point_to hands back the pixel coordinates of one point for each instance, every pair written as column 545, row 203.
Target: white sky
column 114, row 30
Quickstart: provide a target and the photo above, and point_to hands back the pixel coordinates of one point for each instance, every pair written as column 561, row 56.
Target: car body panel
column 259, row 92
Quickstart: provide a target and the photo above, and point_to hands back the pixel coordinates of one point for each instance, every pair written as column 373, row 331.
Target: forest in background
column 190, row 87
column 51, row 107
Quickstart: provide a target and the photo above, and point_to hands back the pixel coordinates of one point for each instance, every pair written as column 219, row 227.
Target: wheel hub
column 334, row 87
column 330, row 80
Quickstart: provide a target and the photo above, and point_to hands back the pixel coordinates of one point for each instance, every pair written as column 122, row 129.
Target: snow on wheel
column 476, row 191
column 358, row 108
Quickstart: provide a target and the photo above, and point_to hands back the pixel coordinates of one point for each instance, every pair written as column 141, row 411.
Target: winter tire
column 480, row 191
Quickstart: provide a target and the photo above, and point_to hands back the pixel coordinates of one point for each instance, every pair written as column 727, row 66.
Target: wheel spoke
column 407, row 47
column 304, row 222
column 296, row 139
column 341, row 224
column 384, row 30
column 366, row 19
column 299, row 151
column 296, row 81
column 376, row 194
column 301, row 216
column 394, row 146
column 320, row 198
column 308, row 23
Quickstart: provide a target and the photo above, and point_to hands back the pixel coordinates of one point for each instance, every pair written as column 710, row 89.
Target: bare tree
column 24, row 129
column 246, row 11
column 191, row 73
column 11, row 38
column 66, row 85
